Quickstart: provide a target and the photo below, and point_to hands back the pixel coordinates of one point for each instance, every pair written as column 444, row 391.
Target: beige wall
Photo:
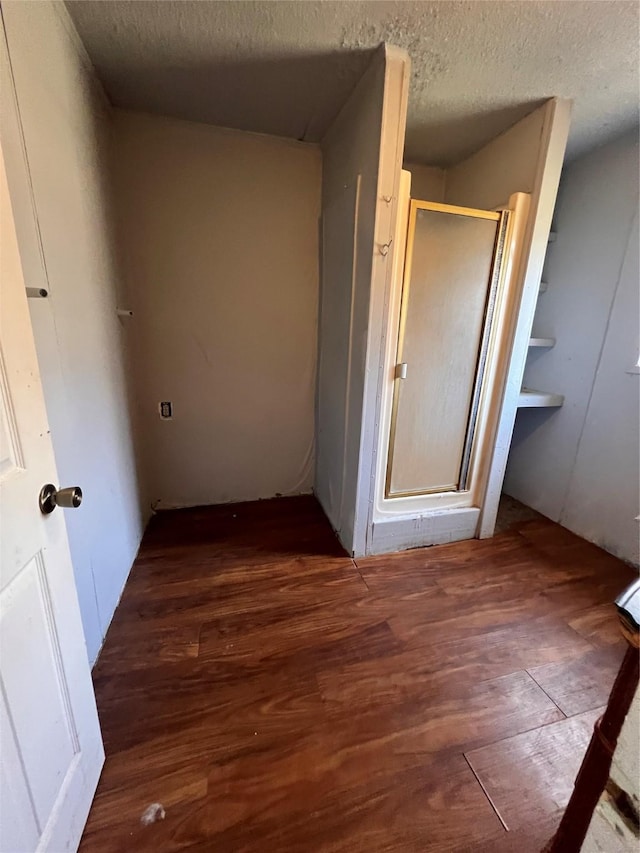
column 427, row 182
column 526, row 158
column 220, row 240
column 505, row 165
column 351, row 152
column 62, row 210
column 362, row 162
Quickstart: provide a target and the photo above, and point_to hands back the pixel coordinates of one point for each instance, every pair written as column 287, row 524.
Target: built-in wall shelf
column 532, row 399
column 542, row 342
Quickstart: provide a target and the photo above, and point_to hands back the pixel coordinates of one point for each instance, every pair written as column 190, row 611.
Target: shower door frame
column 496, row 275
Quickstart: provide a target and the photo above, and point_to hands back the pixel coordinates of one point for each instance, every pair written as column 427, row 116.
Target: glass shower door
column 451, row 275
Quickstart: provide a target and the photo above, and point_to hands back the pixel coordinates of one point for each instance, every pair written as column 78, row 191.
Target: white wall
column 61, row 206
column 362, row 161
column 427, row 182
column 219, row 231
column 579, row 464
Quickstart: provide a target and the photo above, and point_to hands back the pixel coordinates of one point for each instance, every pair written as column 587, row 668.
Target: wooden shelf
column 531, row 399
column 542, row 342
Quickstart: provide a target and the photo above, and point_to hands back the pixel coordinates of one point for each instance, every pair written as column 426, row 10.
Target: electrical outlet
column 166, row 410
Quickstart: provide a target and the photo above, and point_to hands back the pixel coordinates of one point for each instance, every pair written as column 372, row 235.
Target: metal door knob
column 50, row 498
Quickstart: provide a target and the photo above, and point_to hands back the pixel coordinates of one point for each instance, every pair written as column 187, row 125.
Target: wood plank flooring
column 275, row 695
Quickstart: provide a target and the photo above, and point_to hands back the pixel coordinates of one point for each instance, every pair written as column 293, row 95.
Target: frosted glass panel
column 444, row 300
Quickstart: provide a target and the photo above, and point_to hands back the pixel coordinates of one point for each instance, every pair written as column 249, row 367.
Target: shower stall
column 427, row 301
column 447, row 345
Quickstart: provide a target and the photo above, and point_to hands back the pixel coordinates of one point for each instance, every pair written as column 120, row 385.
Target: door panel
column 447, row 282
column 50, row 737
column 26, row 601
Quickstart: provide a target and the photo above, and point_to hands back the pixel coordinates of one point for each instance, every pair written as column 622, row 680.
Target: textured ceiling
column 286, row 67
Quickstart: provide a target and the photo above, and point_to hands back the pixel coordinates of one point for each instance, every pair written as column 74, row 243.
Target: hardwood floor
column 274, row 695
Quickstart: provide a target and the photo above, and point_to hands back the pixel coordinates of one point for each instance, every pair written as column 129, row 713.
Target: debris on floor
column 152, row 813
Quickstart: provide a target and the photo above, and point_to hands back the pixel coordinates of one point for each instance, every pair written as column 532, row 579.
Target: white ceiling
column 285, row 67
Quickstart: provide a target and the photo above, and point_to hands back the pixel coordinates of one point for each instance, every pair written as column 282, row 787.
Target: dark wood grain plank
column 599, row 625
column 438, row 806
column 430, row 662
column 148, row 648
column 530, row 838
column 531, row 775
column 274, row 696
column 121, row 807
column 584, row 683
column 454, row 715
column 174, row 716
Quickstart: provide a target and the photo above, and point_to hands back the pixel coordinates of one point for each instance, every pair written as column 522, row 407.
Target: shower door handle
column 401, row 370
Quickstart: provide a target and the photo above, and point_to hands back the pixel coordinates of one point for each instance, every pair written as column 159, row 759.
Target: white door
column 50, row 745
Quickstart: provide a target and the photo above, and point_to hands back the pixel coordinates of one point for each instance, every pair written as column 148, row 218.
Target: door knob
column 50, row 498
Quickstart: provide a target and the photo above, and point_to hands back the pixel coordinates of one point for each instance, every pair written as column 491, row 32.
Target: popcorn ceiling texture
column 286, row 67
